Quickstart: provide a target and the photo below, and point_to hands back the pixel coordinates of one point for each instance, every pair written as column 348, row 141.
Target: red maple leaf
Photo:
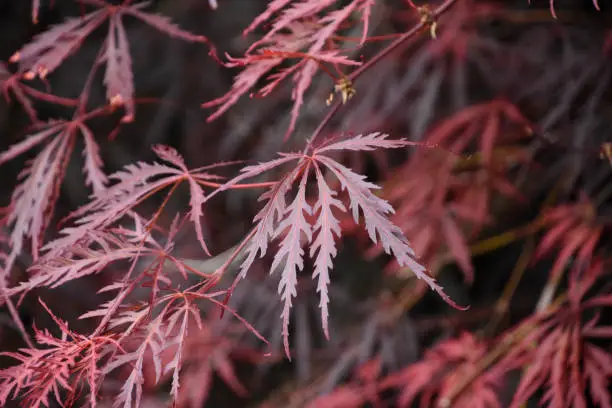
column 33, row 199
column 363, row 389
column 298, row 33
column 134, row 184
column 571, row 228
column 443, row 194
column 566, row 362
column 442, row 368
column 64, row 364
column 278, row 219
column 49, row 49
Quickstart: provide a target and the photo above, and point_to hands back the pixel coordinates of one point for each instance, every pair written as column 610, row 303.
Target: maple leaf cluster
column 169, row 308
column 300, row 25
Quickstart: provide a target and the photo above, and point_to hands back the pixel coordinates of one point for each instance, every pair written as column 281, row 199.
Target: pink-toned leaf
column 302, row 80
column 131, row 391
column 487, row 141
column 597, row 369
column 277, row 218
column 377, row 224
column 298, row 12
column 178, row 323
column 35, row 7
column 365, row 17
column 327, row 227
column 552, row 237
column 33, row 198
column 31, row 141
column 10, row 83
column 50, row 48
column 77, row 262
column 348, row 396
column 588, row 247
column 196, row 193
column 95, row 176
column 162, row 23
column 571, row 244
column 57, row 368
column 458, row 247
column 196, row 201
column 294, row 225
column 290, row 34
column 118, row 77
column 266, row 220
column 243, row 82
column 227, row 372
column 273, row 7
column 368, row 142
column 135, row 183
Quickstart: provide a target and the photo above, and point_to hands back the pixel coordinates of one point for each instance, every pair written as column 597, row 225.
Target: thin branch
column 418, row 28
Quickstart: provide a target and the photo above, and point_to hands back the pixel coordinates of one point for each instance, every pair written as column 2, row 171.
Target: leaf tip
column 127, row 119
column 42, row 72
column 116, row 101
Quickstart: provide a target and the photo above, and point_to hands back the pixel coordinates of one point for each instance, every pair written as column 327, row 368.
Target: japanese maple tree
column 414, row 210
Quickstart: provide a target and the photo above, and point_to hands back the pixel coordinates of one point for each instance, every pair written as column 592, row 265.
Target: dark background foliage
column 557, row 72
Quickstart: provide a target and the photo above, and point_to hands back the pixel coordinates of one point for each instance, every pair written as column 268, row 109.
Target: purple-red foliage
column 430, row 381
column 308, row 25
column 47, row 51
column 560, row 353
column 159, row 327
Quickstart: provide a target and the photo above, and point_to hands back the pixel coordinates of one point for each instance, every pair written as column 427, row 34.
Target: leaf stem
column 237, row 186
